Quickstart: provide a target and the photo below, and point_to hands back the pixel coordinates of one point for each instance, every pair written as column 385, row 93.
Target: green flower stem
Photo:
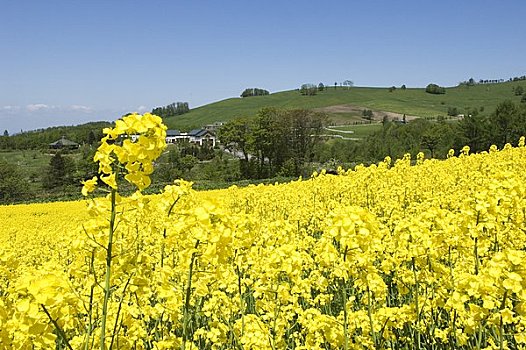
column 417, row 308
column 164, row 231
column 344, row 299
column 345, row 316
column 241, row 302
column 188, row 294
column 57, row 327
column 107, row 291
column 89, row 327
column 370, row 315
column 475, row 248
column 501, row 324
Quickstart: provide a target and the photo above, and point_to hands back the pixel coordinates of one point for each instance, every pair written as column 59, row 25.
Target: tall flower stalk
column 133, row 144
column 107, row 284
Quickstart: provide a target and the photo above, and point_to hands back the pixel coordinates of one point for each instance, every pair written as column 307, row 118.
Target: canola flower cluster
column 119, row 149
column 399, row 255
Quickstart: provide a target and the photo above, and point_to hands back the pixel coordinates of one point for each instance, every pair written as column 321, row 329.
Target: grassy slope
column 359, row 131
column 31, row 160
column 33, row 164
column 410, row 101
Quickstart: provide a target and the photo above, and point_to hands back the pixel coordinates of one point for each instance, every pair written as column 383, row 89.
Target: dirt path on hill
column 378, row 115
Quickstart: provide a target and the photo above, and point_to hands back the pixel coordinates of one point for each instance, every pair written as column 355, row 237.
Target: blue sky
column 69, row 62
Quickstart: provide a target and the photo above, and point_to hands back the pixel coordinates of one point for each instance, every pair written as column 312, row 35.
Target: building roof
column 63, row 142
column 198, row 132
column 172, row 133
column 194, row 133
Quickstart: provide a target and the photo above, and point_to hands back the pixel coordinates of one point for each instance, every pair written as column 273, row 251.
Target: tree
column 403, row 87
column 518, row 90
column 452, row 111
column 503, row 121
column 59, row 172
column 12, row 185
column 219, row 169
column 171, row 110
column 368, row 114
column 269, row 140
column 472, row 131
column 247, row 92
column 435, row 89
column 519, row 122
column 348, row 83
column 91, row 138
column 174, row 165
column 321, row 87
column 6, row 133
column 303, row 129
column 236, row 136
column 308, row 89
column 254, row 92
column 187, row 162
column 86, row 167
column 431, row 138
column 285, row 137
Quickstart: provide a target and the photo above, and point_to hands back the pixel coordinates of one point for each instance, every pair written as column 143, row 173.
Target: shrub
column 254, row 92
column 308, row 89
column 435, row 89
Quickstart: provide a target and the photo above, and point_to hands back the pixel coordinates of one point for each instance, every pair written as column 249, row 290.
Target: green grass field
column 345, row 118
column 360, row 131
column 32, row 163
column 412, row 101
column 30, row 160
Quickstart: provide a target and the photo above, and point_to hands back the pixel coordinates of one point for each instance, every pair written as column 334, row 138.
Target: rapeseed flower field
column 405, row 254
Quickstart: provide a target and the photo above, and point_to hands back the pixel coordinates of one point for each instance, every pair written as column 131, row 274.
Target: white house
column 201, row 137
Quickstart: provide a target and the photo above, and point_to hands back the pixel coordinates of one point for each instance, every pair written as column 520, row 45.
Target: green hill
column 411, row 101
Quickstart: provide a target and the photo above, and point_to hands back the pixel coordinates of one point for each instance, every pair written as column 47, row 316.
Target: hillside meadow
column 411, row 101
column 405, row 254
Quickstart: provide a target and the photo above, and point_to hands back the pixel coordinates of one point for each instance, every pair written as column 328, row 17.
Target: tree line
column 89, row 133
column 471, row 81
column 275, row 142
column 506, row 124
column 310, row 89
column 171, row 110
column 282, row 142
column 254, row 92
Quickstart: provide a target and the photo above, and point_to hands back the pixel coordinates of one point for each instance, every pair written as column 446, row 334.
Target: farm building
column 64, row 143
